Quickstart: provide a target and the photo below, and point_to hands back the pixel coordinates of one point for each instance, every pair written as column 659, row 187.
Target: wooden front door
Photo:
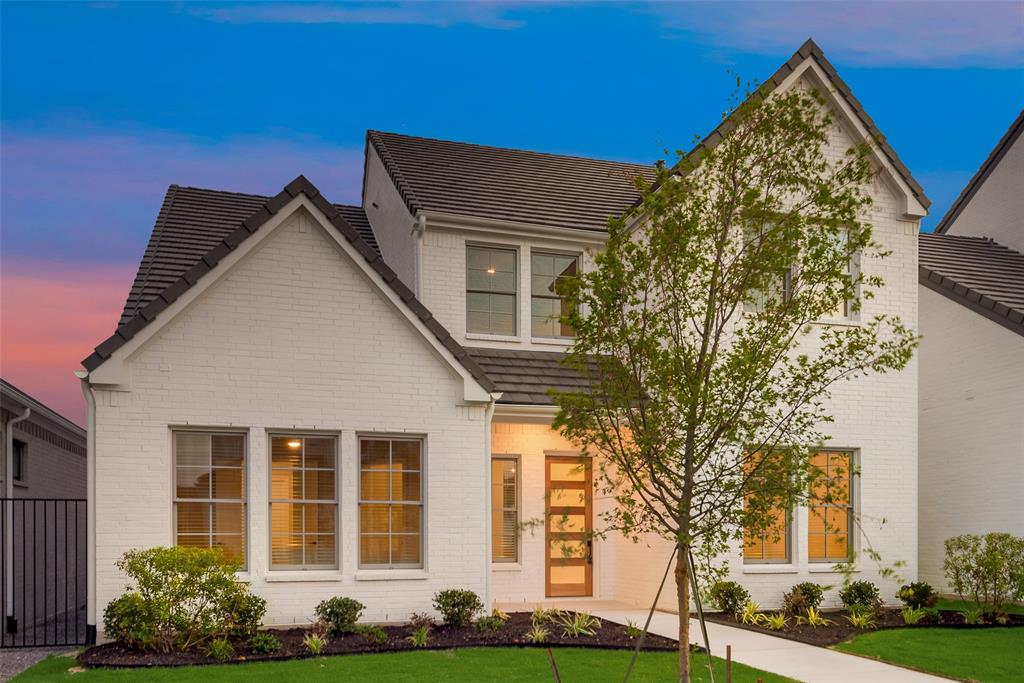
column 569, row 565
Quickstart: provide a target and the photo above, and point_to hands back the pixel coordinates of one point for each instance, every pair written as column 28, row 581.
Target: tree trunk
column 683, row 596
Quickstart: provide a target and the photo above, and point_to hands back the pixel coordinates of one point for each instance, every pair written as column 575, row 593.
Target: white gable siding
column 391, row 221
column 996, row 208
column 294, row 337
column 972, row 435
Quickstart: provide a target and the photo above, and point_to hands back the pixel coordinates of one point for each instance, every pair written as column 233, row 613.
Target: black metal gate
column 43, row 563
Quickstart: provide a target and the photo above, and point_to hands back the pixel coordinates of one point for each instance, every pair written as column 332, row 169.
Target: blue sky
column 104, row 104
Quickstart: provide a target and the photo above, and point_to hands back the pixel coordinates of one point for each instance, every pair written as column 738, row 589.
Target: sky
column 104, row 104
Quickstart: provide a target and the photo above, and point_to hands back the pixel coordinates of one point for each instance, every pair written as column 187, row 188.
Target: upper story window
column 209, row 491
column 491, row 290
column 303, row 502
column 549, row 274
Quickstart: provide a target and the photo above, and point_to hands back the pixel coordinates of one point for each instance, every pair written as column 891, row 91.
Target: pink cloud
column 51, row 316
column 485, row 14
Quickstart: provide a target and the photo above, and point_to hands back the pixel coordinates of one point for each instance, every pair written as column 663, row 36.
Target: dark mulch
column 841, row 629
column 512, row 634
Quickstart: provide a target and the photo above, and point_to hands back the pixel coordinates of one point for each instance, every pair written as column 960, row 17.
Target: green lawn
column 957, row 605
column 471, row 664
column 988, row 655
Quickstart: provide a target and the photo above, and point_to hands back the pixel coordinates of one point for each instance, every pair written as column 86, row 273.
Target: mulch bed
column 512, row 634
column 841, row 629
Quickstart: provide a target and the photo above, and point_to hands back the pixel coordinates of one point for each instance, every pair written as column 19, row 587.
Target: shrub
column 749, row 615
column 776, row 621
column 576, row 624
column 420, row 620
column 912, row 615
column 500, row 614
column 917, row 595
column 541, row 616
column 794, row 603
column 988, row 569
column 973, row 615
column 314, row 643
column 859, row 594
column 419, row 637
column 184, row 598
column 457, row 607
column 373, row 633
column 220, row 649
column 489, row 624
column 264, row 643
column 814, row 619
column 632, row 630
column 812, row 592
column 340, row 614
column 861, row 619
column 729, row 596
column 537, row 634
column 132, row 621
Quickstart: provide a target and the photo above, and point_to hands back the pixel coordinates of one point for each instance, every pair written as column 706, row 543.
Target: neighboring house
column 972, row 361
column 353, row 400
column 46, row 450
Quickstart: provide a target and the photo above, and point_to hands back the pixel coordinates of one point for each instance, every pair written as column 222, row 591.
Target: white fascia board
column 450, row 221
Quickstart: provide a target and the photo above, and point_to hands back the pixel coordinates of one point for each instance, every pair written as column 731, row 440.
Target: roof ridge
column 401, row 184
column 155, row 239
column 574, row 157
column 248, row 194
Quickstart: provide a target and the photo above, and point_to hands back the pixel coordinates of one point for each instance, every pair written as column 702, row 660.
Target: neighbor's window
column 209, row 491
column 18, row 467
column 303, row 502
column 504, row 509
column 773, row 544
column 549, row 274
column 491, row 290
column 830, row 507
column 390, row 502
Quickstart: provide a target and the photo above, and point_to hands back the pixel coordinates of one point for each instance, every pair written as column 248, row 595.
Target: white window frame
column 579, row 269
column 518, row 508
column 516, row 276
column 854, row 455
column 422, row 441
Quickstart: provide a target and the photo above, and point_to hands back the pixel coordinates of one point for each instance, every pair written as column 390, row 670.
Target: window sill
column 297, row 576
column 392, row 575
column 837, row 322
column 506, row 567
column 553, row 341
column 827, row 569
column 243, row 577
column 770, row 569
column 493, row 337
column 20, row 484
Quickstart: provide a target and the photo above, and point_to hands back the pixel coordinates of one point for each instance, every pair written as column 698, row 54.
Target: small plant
column 932, row 614
column 488, row 624
column 776, row 621
column 632, row 630
column 576, row 624
column 863, row 594
column 131, row 620
column 220, row 649
column 973, row 615
column 458, row 607
column 537, row 634
column 814, row 618
column 422, row 620
column 729, row 596
column 794, row 603
column 264, row 643
column 812, row 592
column 541, row 616
column 373, row 633
column 499, row 614
column 912, row 615
column 918, row 595
column 419, row 637
column 314, row 643
column 750, row 614
column 989, row 570
column 340, row 614
column 861, row 619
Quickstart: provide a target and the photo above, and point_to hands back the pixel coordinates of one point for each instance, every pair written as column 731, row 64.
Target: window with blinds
column 491, row 290
column 303, row 502
column 504, row 509
column 209, row 491
column 830, row 507
column 549, row 274
column 773, row 543
column 390, row 503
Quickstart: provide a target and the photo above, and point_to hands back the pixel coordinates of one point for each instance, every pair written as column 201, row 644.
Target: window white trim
column 515, row 293
column 518, row 547
column 367, row 569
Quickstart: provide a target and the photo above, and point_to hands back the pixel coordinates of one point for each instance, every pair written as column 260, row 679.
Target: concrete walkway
column 806, row 663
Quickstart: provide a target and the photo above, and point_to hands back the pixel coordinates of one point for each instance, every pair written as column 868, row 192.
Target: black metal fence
column 43, row 566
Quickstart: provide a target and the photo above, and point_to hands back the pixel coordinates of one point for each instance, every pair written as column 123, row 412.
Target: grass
column 957, row 605
column 471, row 664
column 988, row 655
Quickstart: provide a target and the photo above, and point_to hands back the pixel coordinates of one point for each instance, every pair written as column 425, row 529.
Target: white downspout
column 9, row 513
column 488, row 415
column 418, row 230
column 90, row 506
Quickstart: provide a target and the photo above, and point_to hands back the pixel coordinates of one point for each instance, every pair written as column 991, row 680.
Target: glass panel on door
column 569, row 496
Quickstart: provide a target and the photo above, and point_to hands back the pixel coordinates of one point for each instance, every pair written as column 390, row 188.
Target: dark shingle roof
column 192, row 221
column 983, row 172
column 264, row 212
column 508, row 184
column 524, row 377
column 981, row 274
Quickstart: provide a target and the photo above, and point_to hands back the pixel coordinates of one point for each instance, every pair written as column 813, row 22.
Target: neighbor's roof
column 192, row 221
column 524, row 377
column 251, row 224
column 507, row 184
column 982, row 174
column 976, row 272
column 39, row 409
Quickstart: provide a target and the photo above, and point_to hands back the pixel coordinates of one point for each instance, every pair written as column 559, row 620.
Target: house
column 353, row 400
column 972, row 360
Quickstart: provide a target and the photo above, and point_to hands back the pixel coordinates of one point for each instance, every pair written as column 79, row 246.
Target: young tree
column 709, row 375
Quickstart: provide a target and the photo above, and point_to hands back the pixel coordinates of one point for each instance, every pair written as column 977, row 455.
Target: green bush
column 860, row 594
column 457, row 607
column 488, row 624
column 812, row 592
column 729, row 596
column 917, row 595
column 184, row 597
column 130, row 620
column 264, row 643
column 794, row 604
column 220, row 649
column 340, row 614
column 986, row 569
column 373, row 633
